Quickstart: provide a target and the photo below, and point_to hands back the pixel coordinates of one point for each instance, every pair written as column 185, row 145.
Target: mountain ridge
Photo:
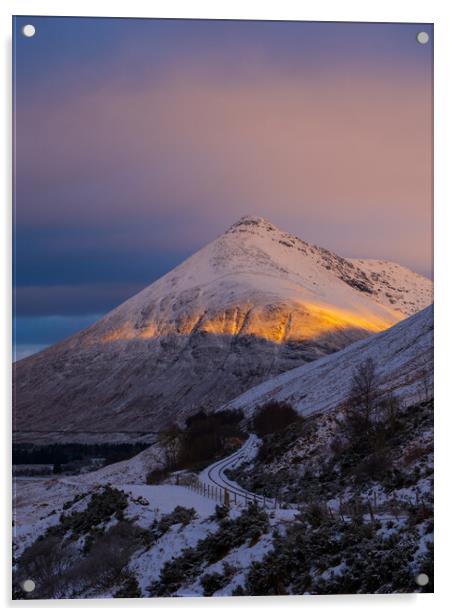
column 251, row 304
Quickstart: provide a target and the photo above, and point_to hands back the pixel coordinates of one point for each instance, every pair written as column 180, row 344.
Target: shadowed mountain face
column 253, row 303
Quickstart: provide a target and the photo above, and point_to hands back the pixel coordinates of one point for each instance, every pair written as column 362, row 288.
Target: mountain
column 403, row 359
column 253, row 303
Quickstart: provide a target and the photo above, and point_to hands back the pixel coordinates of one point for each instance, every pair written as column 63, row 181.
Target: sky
column 138, row 141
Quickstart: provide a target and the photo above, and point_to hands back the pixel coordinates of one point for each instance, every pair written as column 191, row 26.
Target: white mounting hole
column 28, row 585
column 28, row 30
column 422, row 38
column 422, row 579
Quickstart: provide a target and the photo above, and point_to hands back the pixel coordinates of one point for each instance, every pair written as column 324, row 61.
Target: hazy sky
column 138, row 141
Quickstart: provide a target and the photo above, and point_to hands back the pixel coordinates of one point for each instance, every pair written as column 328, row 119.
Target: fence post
column 371, row 512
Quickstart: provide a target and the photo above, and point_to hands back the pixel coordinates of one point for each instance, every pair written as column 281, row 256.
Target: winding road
column 214, row 476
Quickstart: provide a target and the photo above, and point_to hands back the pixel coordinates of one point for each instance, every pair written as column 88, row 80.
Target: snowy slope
column 403, row 357
column 253, row 303
column 395, row 285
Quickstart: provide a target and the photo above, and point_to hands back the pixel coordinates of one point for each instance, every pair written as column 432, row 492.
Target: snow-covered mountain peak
column 254, row 302
column 249, row 222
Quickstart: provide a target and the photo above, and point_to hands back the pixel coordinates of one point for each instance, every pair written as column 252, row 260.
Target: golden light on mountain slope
column 281, row 324
column 275, row 323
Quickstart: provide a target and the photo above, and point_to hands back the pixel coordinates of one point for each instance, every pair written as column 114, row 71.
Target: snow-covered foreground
column 165, row 498
column 39, row 505
column 37, row 500
column 182, row 544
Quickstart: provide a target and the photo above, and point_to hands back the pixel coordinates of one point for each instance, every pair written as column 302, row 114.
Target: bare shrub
column 59, row 570
column 416, row 452
column 374, row 466
column 316, row 514
column 362, row 399
column 48, row 563
column 157, row 476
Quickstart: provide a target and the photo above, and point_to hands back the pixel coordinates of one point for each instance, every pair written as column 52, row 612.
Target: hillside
column 403, row 357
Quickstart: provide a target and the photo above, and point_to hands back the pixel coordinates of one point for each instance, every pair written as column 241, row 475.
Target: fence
column 354, row 508
column 228, row 496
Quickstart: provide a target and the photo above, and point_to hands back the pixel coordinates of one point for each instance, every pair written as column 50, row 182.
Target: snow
column 254, row 263
column 397, row 285
column 133, row 470
column 37, row 504
column 165, row 498
column 403, row 356
column 239, row 559
column 147, row 565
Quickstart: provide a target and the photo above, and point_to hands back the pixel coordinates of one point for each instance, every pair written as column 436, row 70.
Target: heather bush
column 212, row 582
column 231, row 533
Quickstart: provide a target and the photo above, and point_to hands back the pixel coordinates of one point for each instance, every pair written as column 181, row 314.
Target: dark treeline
column 204, row 439
column 274, row 417
column 64, row 453
column 207, row 436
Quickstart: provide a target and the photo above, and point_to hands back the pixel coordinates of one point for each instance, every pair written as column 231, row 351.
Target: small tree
column 361, row 405
column 171, row 445
column 364, row 390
